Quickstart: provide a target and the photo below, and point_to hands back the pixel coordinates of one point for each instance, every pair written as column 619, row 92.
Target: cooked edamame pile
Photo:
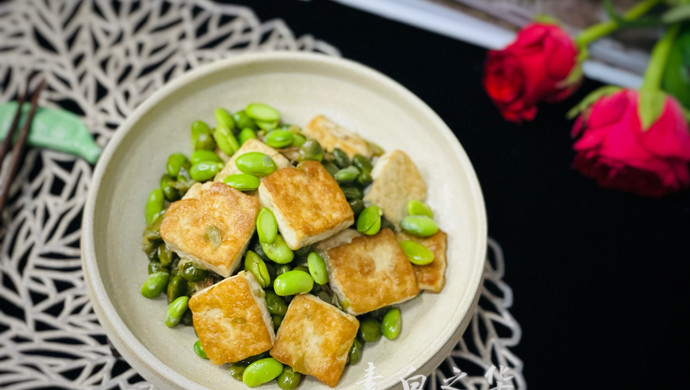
column 280, row 271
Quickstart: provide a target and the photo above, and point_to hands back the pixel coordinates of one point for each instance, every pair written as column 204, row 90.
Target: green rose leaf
column 676, row 79
column 676, row 14
column 650, row 107
column 590, row 99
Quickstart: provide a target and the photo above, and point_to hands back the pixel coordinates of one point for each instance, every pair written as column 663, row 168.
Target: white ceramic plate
column 300, row 86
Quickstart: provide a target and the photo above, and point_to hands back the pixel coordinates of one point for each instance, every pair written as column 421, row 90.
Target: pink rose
column 534, row 68
column 615, row 151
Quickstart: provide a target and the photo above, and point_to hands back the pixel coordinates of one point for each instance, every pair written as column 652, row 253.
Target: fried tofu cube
column 212, row 227
column 430, row 277
column 315, row 338
column 307, row 202
column 331, row 135
column 231, row 319
column 370, row 272
column 396, row 181
column 251, row 145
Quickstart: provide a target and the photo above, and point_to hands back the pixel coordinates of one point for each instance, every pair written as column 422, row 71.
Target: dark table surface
column 600, row 277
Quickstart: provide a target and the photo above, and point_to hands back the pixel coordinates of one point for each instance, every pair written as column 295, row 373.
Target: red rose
column 534, row 68
column 614, row 150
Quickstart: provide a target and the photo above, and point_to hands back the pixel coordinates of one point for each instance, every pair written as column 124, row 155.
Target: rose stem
column 599, row 30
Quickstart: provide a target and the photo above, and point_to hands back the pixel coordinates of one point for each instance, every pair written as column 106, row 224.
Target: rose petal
column 669, row 136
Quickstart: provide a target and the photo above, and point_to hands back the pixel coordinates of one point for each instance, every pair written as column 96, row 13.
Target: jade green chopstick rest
column 52, row 129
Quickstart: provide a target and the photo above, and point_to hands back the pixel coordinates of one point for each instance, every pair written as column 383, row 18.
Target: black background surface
column 600, row 277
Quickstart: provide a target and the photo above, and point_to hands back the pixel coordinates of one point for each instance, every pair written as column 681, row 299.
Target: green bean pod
column 275, row 304
column 417, row 253
column 225, row 140
column 256, row 163
column 416, row 207
column 419, row 225
column 242, row 181
column 391, row 324
column 175, row 162
column 245, row 134
column 199, row 350
column 266, row 226
column 369, row 330
column 317, row 268
column 289, row 379
column 261, row 371
column 155, row 284
column 369, row 220
column 292, row 283
column 278, row 251
column 256, row 266
column 223, row 117
column 176, row 310
column 204, row 155
column 205, row 170
column 262, row 112
column 154, row 205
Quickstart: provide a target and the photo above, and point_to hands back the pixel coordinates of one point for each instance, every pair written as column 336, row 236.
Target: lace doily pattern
column 100, row 60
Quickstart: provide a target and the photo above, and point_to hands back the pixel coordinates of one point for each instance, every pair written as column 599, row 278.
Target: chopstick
column 18, row 147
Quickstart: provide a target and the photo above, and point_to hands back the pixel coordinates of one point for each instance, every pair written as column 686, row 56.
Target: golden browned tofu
column 370, row 272
column 430, row 277
column 251, row 145
column 331, row 135
column 211, row 228
column 396, row 181
column 315, row 338
column 308, row 204
column 231, row 319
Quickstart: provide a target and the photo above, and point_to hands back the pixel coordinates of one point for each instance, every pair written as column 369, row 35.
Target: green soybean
column 416, row 207
column 275, row 304
column 154, row 205
column 364, row 178
column 298, row 139
column 289, row 379
column 242, row 181
column 170, row 193
column 357, row 205
column 317, row 268
column 352, row 192
column 223, row 117
column 256, row 163
column 243, row 121
column 256, row 266
column 204, row 155
column 282, row 268
column 369, row 330
column 278, row 251
column 225, row 140
column 156, row 266
column 245, row 134
column 175, row 162
column 355, row 354
column 310, row 150
column 261, row 371
column 362, row 163
column 204, row 141
column 342, row 160
column 331, row 168
column 192, row 273
column 187, row 318
column 277, row 319
column 417, row 253
column 292, row 283
column 278, row 138
column 237, row 369
column 369, row 220
column 205, row 170
column 262, row 112
column 267, row 125
column 184, row 181
column 176, row 310
column 177, row 287
column 347, row 175
column 266, row 225
column 419, row 225
column 155, row 284
column 164, row 254
column 391, row 324
column 199, row 128
column 199, row 350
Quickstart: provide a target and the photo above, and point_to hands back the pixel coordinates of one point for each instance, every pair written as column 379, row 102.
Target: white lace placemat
column 100, row 60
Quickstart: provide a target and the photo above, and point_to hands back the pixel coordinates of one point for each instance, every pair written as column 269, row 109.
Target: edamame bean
column 292, row 283
column 310, row 150
column 242, row 181
column 261, row 371
column 256, row 266
column 154, row 205
column 177, row 287
column 277, row 319
column 204, row 155
column 419, row 225
column 256, row 163
column 170, row 193
column 355, row 354
column 192, row 273
column 346, row 175
column 187, row 319
column 331, row 168
column 237, row 369
column 155, row 284
column 223, row 117
column 322, row 295
column 225, row 140
column 156, row 266
column 357, row 205
column 266, row 225
column 245, row 134
column 391, row 324
column 364, row 178
column 267, row 125
column 262, row 112
column 417, row 254
column 369, row 330
column 175, row 311
column 164, row 255
column 205, row 170
column 342, row 160
column 369, row 220
column 283, row 268
column 288, row 379
column 275, row 304
column 175, row 162
column 416, row 207
column 213, row 236
column 198, row 128
column 298, row 140
column 352, row 192
column 184, row 181
column 278, row 138
column 278, row 251
column 199, row 350
column 362, row 163
column 243, row 121
column 317, row 268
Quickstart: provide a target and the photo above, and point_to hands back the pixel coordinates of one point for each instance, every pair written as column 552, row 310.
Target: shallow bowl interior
column 300, row 86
